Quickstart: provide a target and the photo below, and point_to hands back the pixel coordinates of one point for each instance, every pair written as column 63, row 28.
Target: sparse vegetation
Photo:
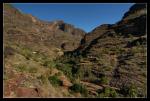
column 25, row 68
column 68, row 66
column 43, row 79
column 21, row 68
column 32, row 70
column 55, row 81
column 104, row 80
column 49, row 64
column 129, row 90
column 5, row 77
column 108, row 92
column 79, row 88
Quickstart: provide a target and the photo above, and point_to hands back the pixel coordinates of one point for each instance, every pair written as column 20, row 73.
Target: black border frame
column 73, row 1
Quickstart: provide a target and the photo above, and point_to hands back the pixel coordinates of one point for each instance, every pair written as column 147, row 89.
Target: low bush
column 129, row 90
column 104, row 80
column 68, row 65
column 108, row 92
column 79, row 88
column 55, row 81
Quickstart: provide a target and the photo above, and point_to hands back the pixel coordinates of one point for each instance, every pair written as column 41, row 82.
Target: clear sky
column 84, row 16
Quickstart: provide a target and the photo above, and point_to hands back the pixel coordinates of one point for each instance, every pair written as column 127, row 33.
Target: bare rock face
column 26, row 92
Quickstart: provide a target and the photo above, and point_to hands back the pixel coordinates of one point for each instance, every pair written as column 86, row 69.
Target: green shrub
column 132, row 92
column 68, row 65
column 66, row 69
column 113, row 93
column 26, row 52
column 55, row 81
column 104, row 80
column 129, row 90
column 79, row 88
column 108, row 92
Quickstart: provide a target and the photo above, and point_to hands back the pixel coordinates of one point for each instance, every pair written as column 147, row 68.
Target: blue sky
column 84, row 16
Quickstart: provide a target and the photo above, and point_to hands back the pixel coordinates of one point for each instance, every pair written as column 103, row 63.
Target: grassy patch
column 49, row 63
column 55, row 81
column 21, row 68
column 25, row 68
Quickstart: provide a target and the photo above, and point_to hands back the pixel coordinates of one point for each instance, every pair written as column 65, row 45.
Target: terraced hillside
column 114, row 56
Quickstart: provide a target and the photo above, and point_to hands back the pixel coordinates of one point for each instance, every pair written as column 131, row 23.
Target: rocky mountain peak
column 133, row 21
column 135, row 11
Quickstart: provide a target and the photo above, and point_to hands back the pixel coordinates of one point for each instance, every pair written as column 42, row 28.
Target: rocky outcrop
column 26, row 92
